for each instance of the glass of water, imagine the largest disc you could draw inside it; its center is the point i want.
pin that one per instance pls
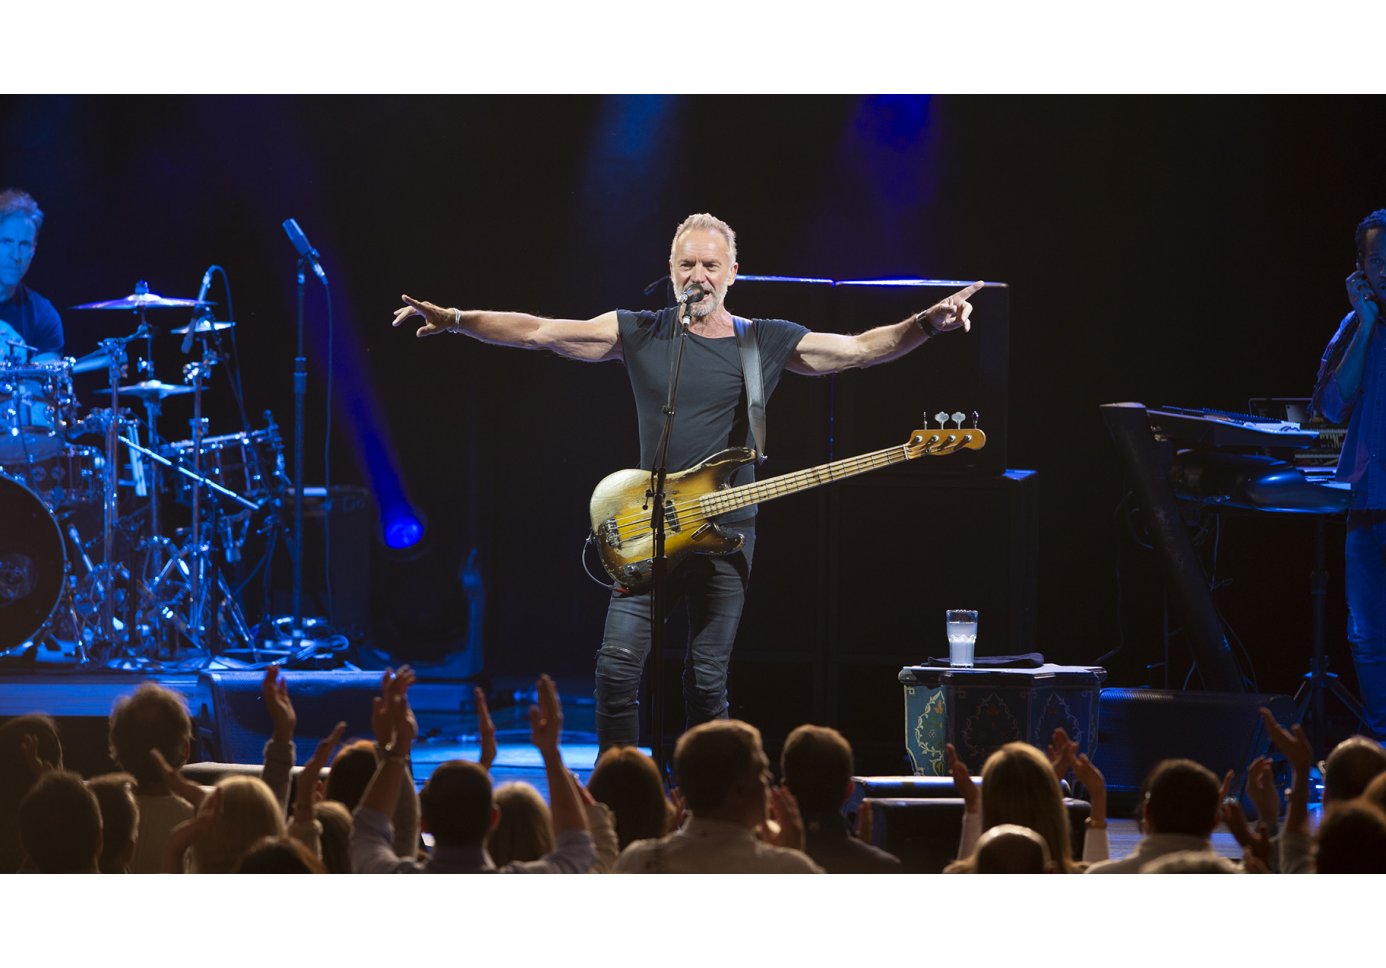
(962, 636)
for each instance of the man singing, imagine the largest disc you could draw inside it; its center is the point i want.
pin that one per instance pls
(709, 417)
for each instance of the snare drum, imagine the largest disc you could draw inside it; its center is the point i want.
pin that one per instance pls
(33, 564)
(68, 478)
(37, 407)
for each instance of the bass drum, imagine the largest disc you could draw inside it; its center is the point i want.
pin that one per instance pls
(33, 564)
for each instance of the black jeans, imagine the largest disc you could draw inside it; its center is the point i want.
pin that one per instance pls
(715, 588)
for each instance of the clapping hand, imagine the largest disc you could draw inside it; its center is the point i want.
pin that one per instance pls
(546, 718)
(962, 780)
(393, 686)
(275, 690)
(486, 729)
(308, 777)
(175, 782)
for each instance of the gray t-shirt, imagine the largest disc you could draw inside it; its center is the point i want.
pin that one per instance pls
(710, 412)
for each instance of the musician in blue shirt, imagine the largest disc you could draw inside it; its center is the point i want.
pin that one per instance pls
(1351, 387)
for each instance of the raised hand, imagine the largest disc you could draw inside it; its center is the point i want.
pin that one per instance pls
(486, 729)
(391, 683)
(546, 719)
(1297, 749)
(275, 690)
(1292, 742)
(1256, 845)
(954, 312)
(1061, 751)
(308, 776)
(29, 754)
(1260, 787)
(175, 782)
(191, 831)
(784, 810)
(436, 318)
(962, 780)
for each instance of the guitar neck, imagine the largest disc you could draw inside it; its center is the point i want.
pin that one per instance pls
(758, 492)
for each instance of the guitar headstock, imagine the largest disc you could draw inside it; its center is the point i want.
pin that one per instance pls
(945, 439)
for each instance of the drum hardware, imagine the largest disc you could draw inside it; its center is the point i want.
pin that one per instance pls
(204, 326)
(117, 605)
(37, 407)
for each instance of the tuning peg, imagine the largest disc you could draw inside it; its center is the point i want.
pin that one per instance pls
(958, 417)
(976, 417)
(941, 416)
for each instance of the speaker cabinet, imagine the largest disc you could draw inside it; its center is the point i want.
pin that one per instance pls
(1138, 728)
(233, 725)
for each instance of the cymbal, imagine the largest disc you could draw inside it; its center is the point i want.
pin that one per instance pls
(152, 390)
(204, 326)
(146, 300)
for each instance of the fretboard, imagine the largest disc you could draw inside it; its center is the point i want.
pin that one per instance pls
(758, 492)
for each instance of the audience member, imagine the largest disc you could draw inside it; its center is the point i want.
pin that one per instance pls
(120, 820)
(240, 811)
(1375, 794)
(524, 829)
(1179, 815)
(1010, 848)
(1191, 862)
(457, 806)
(352, 769)
(60, 826)
(628, 782)
(816, 766)
(279, 855)
(153, 719)
(1352, 840)
(1020, 786)
(724, 777)
(335, 840)
(1350, 767)
(29, 745)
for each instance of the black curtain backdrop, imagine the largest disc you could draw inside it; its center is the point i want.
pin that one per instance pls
(1166, 250)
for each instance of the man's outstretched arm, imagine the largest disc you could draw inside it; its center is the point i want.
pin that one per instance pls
(590, 341)
(819, 354)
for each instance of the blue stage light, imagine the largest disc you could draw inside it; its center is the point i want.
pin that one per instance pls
(403, 530)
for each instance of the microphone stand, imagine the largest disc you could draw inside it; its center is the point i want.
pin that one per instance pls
(660, 564)
(300, 390)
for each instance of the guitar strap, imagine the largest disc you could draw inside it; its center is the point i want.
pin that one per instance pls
(755, 389)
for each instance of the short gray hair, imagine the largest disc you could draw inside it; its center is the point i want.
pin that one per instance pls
(14, 201)
(703, 220)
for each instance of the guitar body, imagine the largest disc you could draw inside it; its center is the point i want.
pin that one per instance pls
(621, 518)
(621, 510)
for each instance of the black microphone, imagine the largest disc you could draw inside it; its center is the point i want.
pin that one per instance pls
(199, 313)
(309, 254)
(693, 293)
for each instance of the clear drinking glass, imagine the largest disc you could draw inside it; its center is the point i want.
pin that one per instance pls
(962, 636)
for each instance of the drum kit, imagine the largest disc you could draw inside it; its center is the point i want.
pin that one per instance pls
(128, 592)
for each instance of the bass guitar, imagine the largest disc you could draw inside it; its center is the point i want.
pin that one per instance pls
(621, 509)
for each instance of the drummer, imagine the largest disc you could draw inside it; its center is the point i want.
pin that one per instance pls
(26, 318)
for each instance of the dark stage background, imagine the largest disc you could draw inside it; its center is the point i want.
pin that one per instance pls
(1186, 251)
